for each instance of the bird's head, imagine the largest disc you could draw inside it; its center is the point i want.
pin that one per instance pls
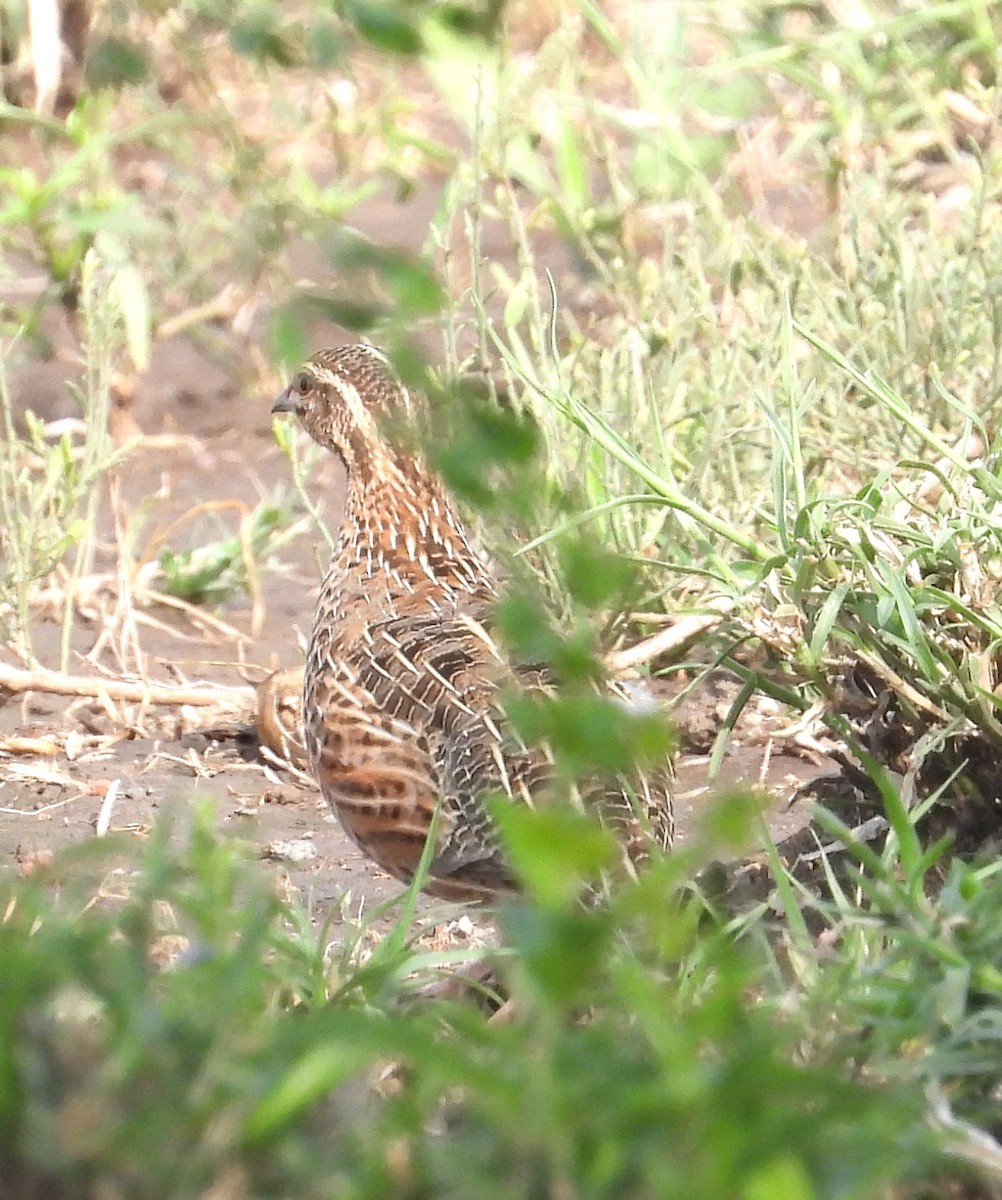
(340, 396)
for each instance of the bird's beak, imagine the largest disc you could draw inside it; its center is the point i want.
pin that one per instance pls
(287, 402)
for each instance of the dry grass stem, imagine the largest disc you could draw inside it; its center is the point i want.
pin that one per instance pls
(677, 634)
(16, 680)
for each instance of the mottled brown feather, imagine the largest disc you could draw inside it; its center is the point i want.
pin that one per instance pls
(401, 719)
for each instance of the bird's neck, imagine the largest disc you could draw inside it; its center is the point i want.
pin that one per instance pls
(401, 544)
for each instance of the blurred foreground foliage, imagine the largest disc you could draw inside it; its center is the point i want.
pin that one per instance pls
(172, 1029)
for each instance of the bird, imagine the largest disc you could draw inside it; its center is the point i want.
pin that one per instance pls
(402, 720)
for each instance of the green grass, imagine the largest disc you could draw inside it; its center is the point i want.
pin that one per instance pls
(636, 1066)
(701, 402)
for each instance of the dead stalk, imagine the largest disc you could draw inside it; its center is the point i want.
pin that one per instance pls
(16, 680)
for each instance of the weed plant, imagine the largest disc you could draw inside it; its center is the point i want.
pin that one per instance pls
(825, 459)
(171, 1028)
(655, 1052)
(50, 492)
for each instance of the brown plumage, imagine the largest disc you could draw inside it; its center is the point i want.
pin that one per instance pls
(401, 720)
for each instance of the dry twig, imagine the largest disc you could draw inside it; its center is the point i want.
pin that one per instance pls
(681, 630)
(15, 680)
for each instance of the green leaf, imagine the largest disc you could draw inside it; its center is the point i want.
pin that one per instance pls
(409, 280)
(326, 41)
(571, 166)
(516, 306)
(414, 286)
(826, 619)
(319, 1070)
(256, 34)
(591, 575)
(128, 288)
(115, 61)
(589, 733)
(285, 333)
(783, 1178)
(525, 628)
(555, 851)
(386, 25)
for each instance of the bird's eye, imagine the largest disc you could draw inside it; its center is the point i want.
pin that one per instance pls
(303, 383)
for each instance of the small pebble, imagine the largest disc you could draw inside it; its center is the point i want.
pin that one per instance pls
(296, 850)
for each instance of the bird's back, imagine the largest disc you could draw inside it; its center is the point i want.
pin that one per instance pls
(402, 720)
